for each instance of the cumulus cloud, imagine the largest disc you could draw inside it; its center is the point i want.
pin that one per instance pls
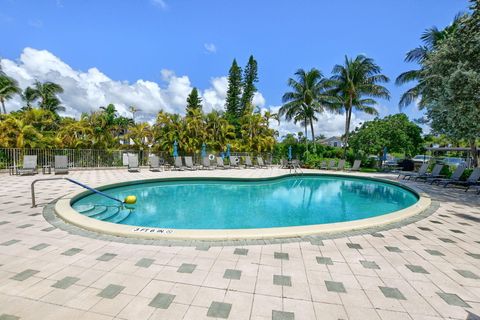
(210, 47)
(86, 91)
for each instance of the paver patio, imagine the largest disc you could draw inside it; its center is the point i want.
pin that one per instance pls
(425, 270)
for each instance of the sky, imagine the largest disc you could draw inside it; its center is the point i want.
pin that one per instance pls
(151, 53)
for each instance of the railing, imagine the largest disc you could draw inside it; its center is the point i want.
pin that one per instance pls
(94, 158)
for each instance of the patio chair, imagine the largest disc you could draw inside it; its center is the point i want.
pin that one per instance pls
(234, 162)
(206, 163)
(260, 163)
(332, 165)
(423, 169)
(356, 165)
(29, 165)
(435, 174)
(154, 163)
(248, 162)
(323, 165)
(341, 165)
(189, 163)
(220, 163)
(284, 164)
(472, 180)
(133, 163)
(455, 177)
(61, 165)
(177, 164)
(475, 187)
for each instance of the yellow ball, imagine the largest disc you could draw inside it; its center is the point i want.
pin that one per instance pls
(130, 200)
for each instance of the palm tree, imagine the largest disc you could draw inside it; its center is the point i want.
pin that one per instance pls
(352, 83)
(47, 93)
(431, 39)
(307, 98)
(8, 88)
(29, 95)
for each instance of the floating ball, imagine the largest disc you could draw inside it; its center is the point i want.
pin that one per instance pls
(130, 200)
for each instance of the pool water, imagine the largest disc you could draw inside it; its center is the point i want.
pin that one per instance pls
(239, 204)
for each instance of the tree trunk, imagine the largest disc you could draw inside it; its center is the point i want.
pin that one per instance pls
(306, 138)
(3, 106)
(348, 115)
(311, 129)
(473, 147)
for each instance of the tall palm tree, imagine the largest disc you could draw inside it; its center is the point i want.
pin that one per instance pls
(307, 98)
(431, 39)
(47, 93)
(8, 88)
(352, 85)
(29, 95)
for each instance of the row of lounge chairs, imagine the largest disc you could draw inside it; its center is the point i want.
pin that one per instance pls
(435, 177)
(30, 165)
(182, 163)
(340, 166)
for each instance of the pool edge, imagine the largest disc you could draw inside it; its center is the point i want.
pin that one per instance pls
(64, 210)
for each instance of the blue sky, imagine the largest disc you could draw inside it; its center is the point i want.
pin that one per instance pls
(131, 40)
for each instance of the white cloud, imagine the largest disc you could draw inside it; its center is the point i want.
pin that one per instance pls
(210, 47)
(87, 91)
(159, 3)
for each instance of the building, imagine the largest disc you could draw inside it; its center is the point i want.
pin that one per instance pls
(332, 142)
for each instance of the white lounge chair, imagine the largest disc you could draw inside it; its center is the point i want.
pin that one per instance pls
(177, 165)
(220, 163)
(154, 163)
(341, 165)
(356, 165)
(133, 163)
(206, 163)
(61, 165)
(29, 165)
(260, 163)
(235, 162)
(248, 162)
(189, 163)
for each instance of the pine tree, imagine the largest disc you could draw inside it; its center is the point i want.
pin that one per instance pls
(250, 77)
(232, 103)
(193, 101)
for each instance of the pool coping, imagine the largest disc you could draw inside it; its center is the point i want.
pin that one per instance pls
(63, 209)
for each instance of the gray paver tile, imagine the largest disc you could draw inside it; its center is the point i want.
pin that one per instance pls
(4, 222)
(186, 268)
(40, 246)
(24, 275)
(334, 286)
(467, 274)
(106, 257)
(393, 249)
(219, 310)
(369, 264)
(281, 255)
(446, 240)
(232, 274)
(8, 317)
(354, 246)
(434, 252)
(377, 235)
(316, 242)
(162, 301)
(49, 229)
(240, 251)
(281, 280)
(72, 252)
(9, 242)
(282, 315)
(453, 300)
(474, 255)
(411, 237)
(324, 260)
(416, 269)
(144, 262)
(23, 226)
(65, 282)
(111, 291)
(393, 293)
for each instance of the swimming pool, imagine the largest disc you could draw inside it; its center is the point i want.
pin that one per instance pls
(228, 203)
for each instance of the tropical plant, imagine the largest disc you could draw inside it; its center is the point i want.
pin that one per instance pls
(48, 93)
(8, 88)
(354, 85)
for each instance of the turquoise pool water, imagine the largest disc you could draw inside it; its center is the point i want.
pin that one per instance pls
(237, 204)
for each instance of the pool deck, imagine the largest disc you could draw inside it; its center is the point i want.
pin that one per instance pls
(426, 270)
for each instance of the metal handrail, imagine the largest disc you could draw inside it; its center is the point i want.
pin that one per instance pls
(32, 187)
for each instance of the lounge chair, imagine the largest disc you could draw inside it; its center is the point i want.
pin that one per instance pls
(177, 165)
(260, 163)
(323, 165)
(475, 187)
(331, 165)
(220, 163)
(248, 162)
(206, 163)
(435, 174)
(61, 165)
(133, 163)
(284, 164)
(423, 169)
(356, 165)
(235, 162)
(154, 163)
(189, 163)
(29, 165)
(472, 180)
(341, 165)
(455, 177)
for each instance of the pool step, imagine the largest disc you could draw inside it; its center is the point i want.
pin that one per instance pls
(110, 212)
(122, 215)
(83, 208)
(99, 209)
